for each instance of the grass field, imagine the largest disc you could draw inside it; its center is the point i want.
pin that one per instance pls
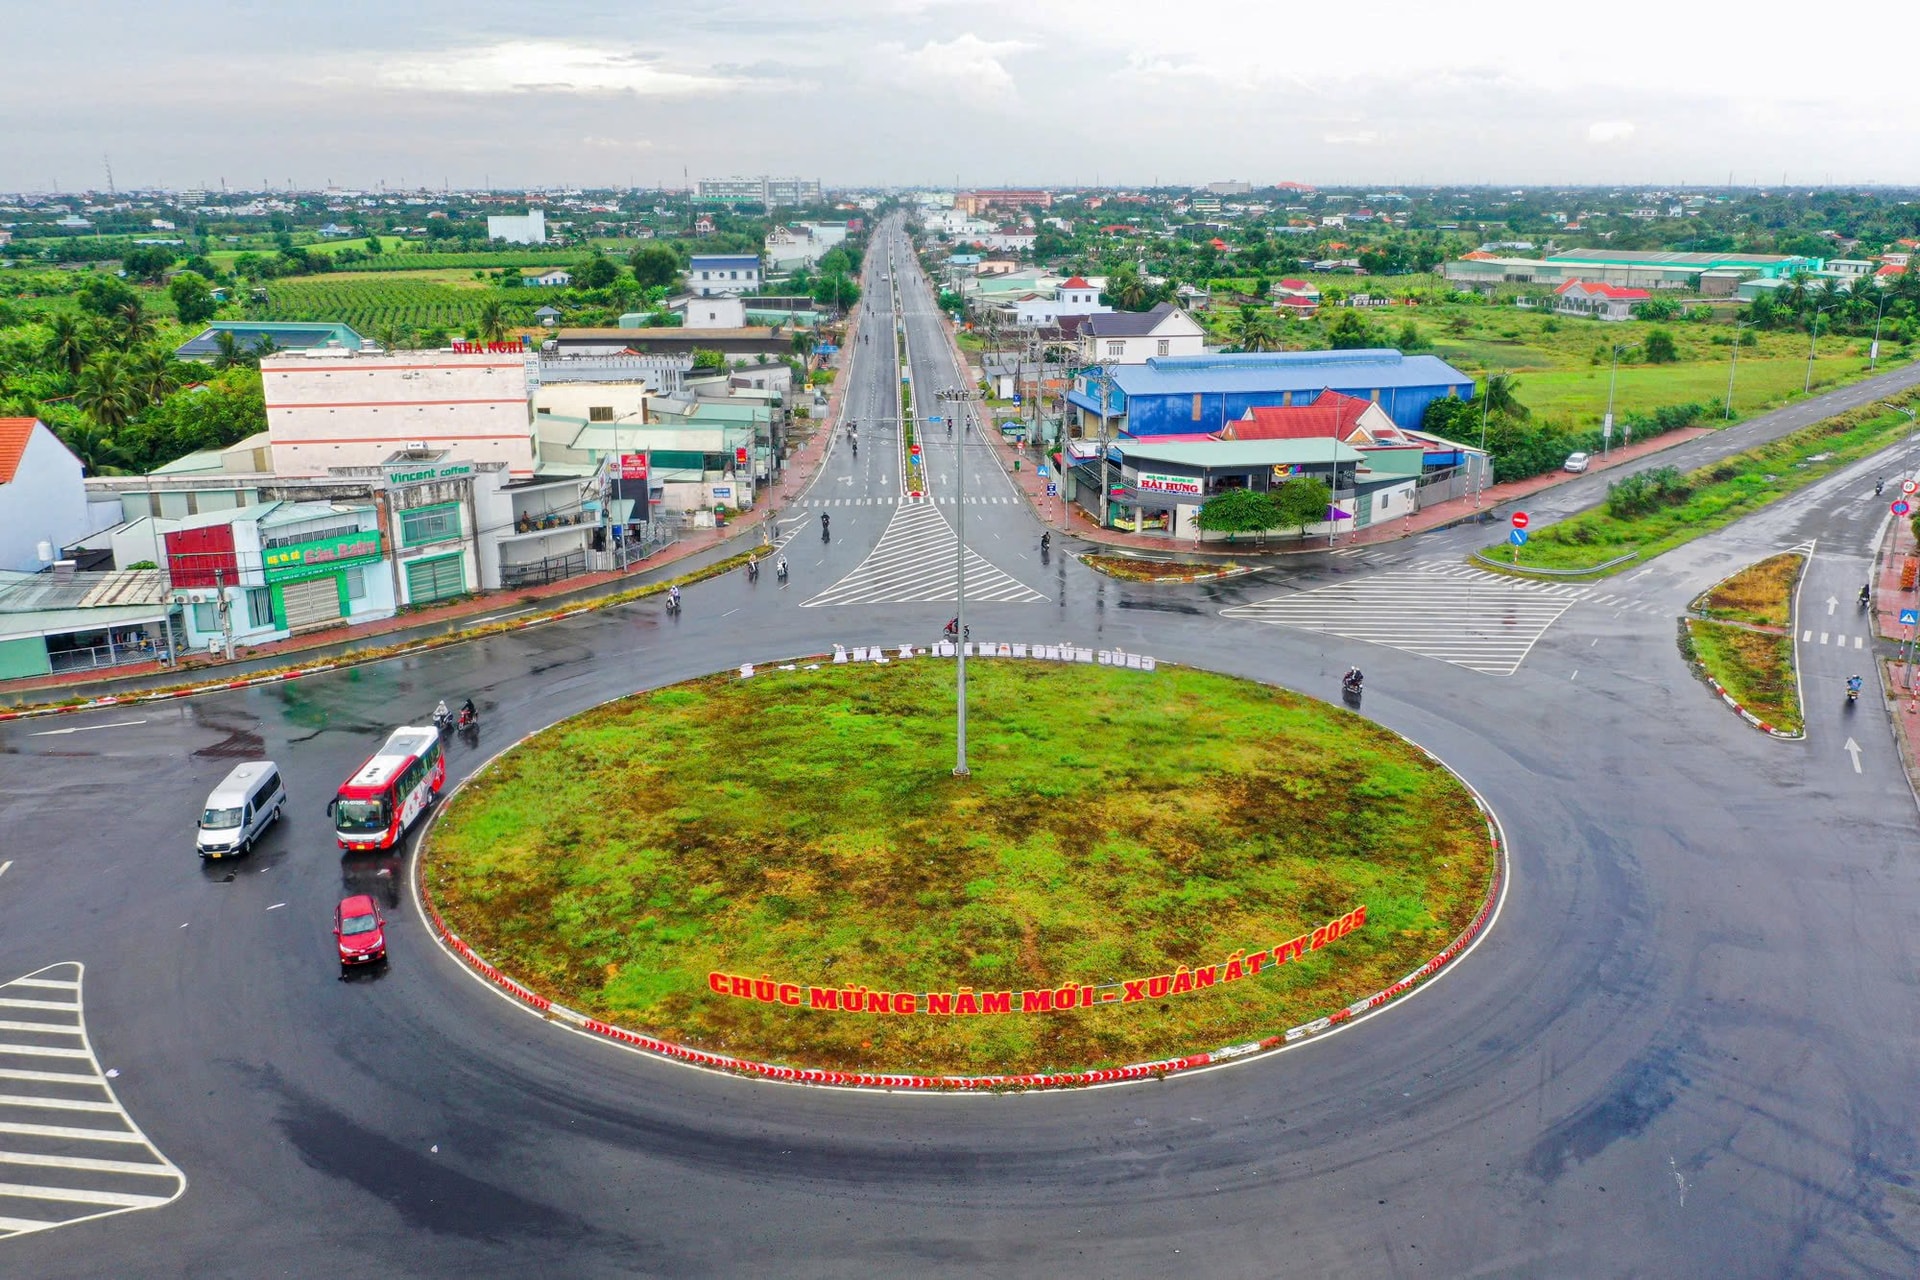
(805, 827)
(1717, 495)
(1754, 667)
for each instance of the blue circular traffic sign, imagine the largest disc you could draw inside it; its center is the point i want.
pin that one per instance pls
(1901, 507)
(1518, 537)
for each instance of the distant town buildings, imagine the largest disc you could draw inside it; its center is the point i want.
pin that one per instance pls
(1008, 198)
(717, 273)
(761, 190)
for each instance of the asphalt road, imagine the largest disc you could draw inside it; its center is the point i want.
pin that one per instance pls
(1684, 1049)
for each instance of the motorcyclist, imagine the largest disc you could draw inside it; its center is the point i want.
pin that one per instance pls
(673, 597)
(1353, 679)
(780, 567)
(468, 712)
(753, 568)
(1046, 540)
(1879, 487)
(1853, 687)
(1866, 594)
(823, 524)
(441, 715)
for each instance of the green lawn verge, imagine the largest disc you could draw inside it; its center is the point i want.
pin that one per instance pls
(1754, 667)
(804, 826)
(1716, 495)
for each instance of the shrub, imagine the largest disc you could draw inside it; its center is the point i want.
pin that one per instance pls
(1659, 347)
(1647, 491)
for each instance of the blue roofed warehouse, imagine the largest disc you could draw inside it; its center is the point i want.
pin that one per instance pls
(1198, 395)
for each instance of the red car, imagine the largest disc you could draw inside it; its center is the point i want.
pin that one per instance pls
(360, 930)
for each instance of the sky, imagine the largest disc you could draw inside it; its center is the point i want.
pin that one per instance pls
(928, 92)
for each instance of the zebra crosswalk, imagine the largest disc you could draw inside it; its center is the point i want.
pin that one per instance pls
(914, 560)
(1444, 610)
(69, 1151)
(894, 499)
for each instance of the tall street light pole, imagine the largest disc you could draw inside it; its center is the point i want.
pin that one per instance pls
(958, 401)
(1606, 424)
(1734, 368)
(1873, 352)
(1813, 340)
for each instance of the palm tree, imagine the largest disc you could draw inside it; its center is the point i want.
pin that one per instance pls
(228, 353)
(1126, 289)
(155, 373)
(264, 345)
(1500, 397)
(135, 325)
(388, 338)
(70, 340)
(94, 447)
(492, 321)
(106, 391)
(1254, 329)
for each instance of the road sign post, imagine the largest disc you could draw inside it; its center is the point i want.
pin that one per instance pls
(1518, 537)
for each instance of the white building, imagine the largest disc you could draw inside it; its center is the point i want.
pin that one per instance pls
(43, 497)
(358, 408)
(518, 228)
(728, 273)
(713, 313)
(1076, 296)
(1135, 337)
(558, 278)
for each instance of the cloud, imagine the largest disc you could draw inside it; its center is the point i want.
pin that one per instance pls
(966, 66)
(551, 66)
(1609, 131)
(1352, 138)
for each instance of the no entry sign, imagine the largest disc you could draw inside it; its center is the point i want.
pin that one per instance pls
(1519, 519)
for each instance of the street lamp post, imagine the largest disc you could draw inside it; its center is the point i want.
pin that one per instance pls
(1873, 352)
(1813, 340)
(1734, 368)
(958, 400)
(1606, 424)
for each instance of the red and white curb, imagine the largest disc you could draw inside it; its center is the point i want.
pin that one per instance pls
(1747, 715)
(1319, 1028)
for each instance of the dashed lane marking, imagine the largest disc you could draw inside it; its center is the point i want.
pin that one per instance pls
(69, 1152)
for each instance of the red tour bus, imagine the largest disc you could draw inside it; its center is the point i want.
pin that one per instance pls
(379, 802)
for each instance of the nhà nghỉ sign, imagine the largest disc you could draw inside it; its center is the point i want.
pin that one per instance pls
(1154, 482)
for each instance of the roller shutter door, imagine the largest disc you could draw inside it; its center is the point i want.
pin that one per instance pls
(436, 579)
(312, 603)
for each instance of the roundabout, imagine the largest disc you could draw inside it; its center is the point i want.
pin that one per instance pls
(1146, 871)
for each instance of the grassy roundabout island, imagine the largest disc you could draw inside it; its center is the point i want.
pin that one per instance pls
(1143, 864)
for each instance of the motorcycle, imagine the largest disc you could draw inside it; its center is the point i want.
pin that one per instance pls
(466, 718)
(1853, 690)
(1866, 596)
(753, 571)
(442, 720)
(1046, 544)
(673, 602)
(1350, 686)
(824, 535)
(781, 570)
(954, 631)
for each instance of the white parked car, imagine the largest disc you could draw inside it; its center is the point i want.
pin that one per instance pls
(1578, 461)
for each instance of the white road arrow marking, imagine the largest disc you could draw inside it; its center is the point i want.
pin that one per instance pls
(5, 865)
(1831, 605)
(1853, 749)
(86, 728)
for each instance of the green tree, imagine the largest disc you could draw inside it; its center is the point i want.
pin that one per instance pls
(154, 373)
(1349, 331)
(192, 296)
(375, 246)
(1658, 344)
(707, 358)
(655, 265)
(106, 392)
(93, 445)
(147, 263)
(492, 320)
(224, 412)
(597, 272)
(1411, 339)
(70, 340)
(1300, 502)
(103, 295)
(1237, 511)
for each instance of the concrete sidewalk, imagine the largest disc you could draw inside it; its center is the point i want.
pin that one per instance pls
(694, 550)
(1902, 679)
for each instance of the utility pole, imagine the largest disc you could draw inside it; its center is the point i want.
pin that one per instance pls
(1738, 325)
(225, 609)
(1813, 340)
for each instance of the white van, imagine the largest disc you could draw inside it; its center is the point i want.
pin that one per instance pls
(240, 808)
